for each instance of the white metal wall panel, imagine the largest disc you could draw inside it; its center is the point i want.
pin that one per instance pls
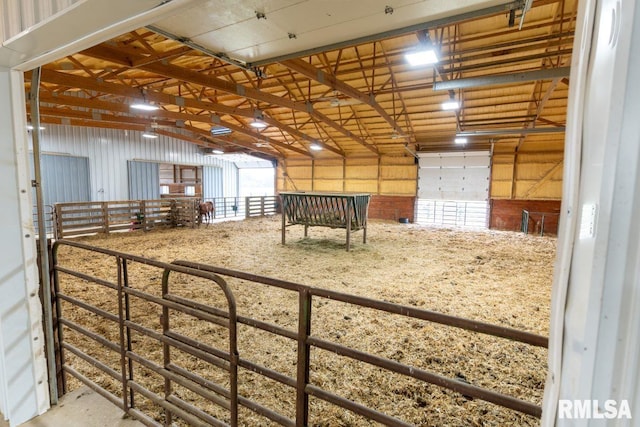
(454, 176)
(23, 372)
(109, 150)
(212, 186)
(18, 15)
(144, 180)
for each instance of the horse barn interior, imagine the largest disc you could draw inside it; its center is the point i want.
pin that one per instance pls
(349, 114)
(444, 138)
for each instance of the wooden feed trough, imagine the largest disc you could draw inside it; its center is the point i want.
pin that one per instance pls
(334, 210)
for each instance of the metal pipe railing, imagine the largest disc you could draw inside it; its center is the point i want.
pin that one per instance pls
(228, 398)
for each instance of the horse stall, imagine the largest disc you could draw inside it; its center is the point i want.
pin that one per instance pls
(333, 210)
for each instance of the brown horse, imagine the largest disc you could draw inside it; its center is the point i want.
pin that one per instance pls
(205, 210)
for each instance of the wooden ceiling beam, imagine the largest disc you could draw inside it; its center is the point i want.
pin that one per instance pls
(86, 115)
(112, 54)
(68, 80)
(315, 74)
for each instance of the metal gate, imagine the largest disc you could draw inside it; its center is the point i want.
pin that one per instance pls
(110, 345)
(122, 371)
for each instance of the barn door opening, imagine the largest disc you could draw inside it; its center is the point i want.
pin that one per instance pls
(453, 189)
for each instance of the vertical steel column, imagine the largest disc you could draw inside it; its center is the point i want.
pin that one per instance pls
(42, 237)
(304, 330)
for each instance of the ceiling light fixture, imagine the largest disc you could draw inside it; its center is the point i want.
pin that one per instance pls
(144, 106)
(258, 124)
(30, 127)
(422, 57)
(149, 135)
(220, 130)
(258, 120)
(217, 151)
(315, 146)
(451, 105)
(460, 140)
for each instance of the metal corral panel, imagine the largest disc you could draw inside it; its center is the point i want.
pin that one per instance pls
(109, 150)
(144, 180)
(212, 182)
(453, 213)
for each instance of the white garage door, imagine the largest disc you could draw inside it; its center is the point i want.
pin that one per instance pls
(453, 189)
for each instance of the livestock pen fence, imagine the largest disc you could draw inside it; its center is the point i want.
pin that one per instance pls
(156, 387)
(83, 218)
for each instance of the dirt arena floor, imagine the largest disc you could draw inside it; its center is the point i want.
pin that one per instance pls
(502, 278)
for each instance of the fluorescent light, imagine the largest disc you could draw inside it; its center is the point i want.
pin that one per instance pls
(451, 105)
(220, 130)
(217, 151)
(144, 106)
(30, 127)
(422, 57)
(460, 140)
(315, 147)
(150, 135)
(258, 124)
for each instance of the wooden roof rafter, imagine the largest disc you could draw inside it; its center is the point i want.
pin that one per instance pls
(106, 53)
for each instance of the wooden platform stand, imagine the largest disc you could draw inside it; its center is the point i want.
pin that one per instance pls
(334, 210)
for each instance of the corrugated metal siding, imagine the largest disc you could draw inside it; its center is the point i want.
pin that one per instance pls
(144, 180)
(18, 15)
(109, 150)
(65, 179)
(212, 182)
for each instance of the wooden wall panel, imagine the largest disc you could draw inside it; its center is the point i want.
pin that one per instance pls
(387, 175)
(362, 186)
(398, 187)
(330, 172)
(537, 176)
(362, 172)
(500, 189)
(398, 171)
(299, 172)
(327, 185)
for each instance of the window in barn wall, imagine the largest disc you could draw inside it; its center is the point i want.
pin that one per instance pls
(453, 189)
(164, 189)
(190, 190)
